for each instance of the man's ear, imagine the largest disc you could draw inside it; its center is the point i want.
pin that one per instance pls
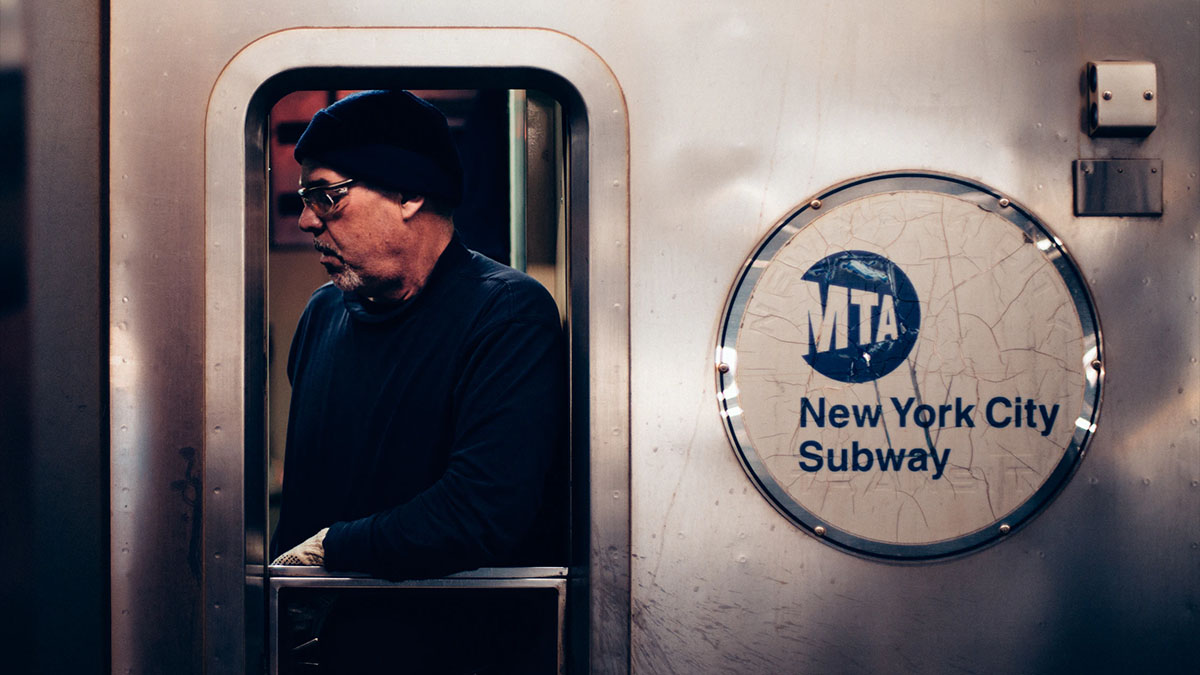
(411, 205)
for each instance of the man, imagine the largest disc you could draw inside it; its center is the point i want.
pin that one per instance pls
(428, 382)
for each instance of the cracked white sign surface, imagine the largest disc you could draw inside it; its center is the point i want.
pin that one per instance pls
(962, 431)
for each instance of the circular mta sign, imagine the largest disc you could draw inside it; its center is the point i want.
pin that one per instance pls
(909, 366)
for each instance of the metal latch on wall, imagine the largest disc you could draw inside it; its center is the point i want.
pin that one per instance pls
(1122, 98)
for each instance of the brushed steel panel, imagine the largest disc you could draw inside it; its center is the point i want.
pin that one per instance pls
(735, 113)
(991, 91)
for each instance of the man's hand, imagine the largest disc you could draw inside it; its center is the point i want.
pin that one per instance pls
(311, 551)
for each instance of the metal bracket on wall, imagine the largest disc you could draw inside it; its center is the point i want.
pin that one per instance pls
(1122, 98)
(1118, 187)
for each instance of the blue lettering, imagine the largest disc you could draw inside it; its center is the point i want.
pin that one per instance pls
(845, 461)
(999, 423)
(866, 415)
(1048, 418)
(806, 409)
(924, 416)
(962, 415)
(893, 459)
(861, 459)
(939, 464)
(918, 460)
(809, 456)
(838, 416)
(862, 452)
(902, 410)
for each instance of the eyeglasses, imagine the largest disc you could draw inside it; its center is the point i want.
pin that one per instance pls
(323, 199)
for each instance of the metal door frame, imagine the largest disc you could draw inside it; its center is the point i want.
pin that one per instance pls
(235, 575)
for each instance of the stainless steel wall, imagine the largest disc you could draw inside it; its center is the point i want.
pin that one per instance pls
(778, 102)
(736, 113)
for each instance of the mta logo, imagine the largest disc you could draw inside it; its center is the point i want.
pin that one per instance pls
(869, 317)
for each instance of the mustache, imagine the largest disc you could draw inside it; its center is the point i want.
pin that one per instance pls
(326, 249)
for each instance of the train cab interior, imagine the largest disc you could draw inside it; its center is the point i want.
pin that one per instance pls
(513, 149)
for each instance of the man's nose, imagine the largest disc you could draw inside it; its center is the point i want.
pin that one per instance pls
(309, 222)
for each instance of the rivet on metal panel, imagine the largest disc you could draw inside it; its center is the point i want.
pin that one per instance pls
(1004, 202)
(723, 367)
(816, 203)
(1096, 364)
(1005, 528)
(1148, 95)
(1107, 95)
(820, 530)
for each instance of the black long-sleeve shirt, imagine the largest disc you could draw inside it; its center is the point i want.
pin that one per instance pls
(423, 434)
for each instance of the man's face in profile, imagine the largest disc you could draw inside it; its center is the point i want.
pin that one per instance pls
(365, 238)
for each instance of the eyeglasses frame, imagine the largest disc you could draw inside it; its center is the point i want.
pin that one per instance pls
(332, 194)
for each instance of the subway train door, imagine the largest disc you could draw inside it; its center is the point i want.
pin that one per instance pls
(228, 270)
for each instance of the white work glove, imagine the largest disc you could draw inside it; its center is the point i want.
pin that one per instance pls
(311, 551)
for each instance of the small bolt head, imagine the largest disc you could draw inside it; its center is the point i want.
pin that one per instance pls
(1004, 202)
(1107, 95)
(1005, 528)
(820, 530)
(723, 367)
(816, 203)
(1096, 364)
(1148, 95)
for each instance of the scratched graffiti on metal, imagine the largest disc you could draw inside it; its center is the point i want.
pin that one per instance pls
(974, 412)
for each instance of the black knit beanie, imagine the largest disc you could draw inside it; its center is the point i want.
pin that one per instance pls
(390, 140)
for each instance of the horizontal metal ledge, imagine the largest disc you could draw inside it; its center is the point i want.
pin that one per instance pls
(287, 573)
